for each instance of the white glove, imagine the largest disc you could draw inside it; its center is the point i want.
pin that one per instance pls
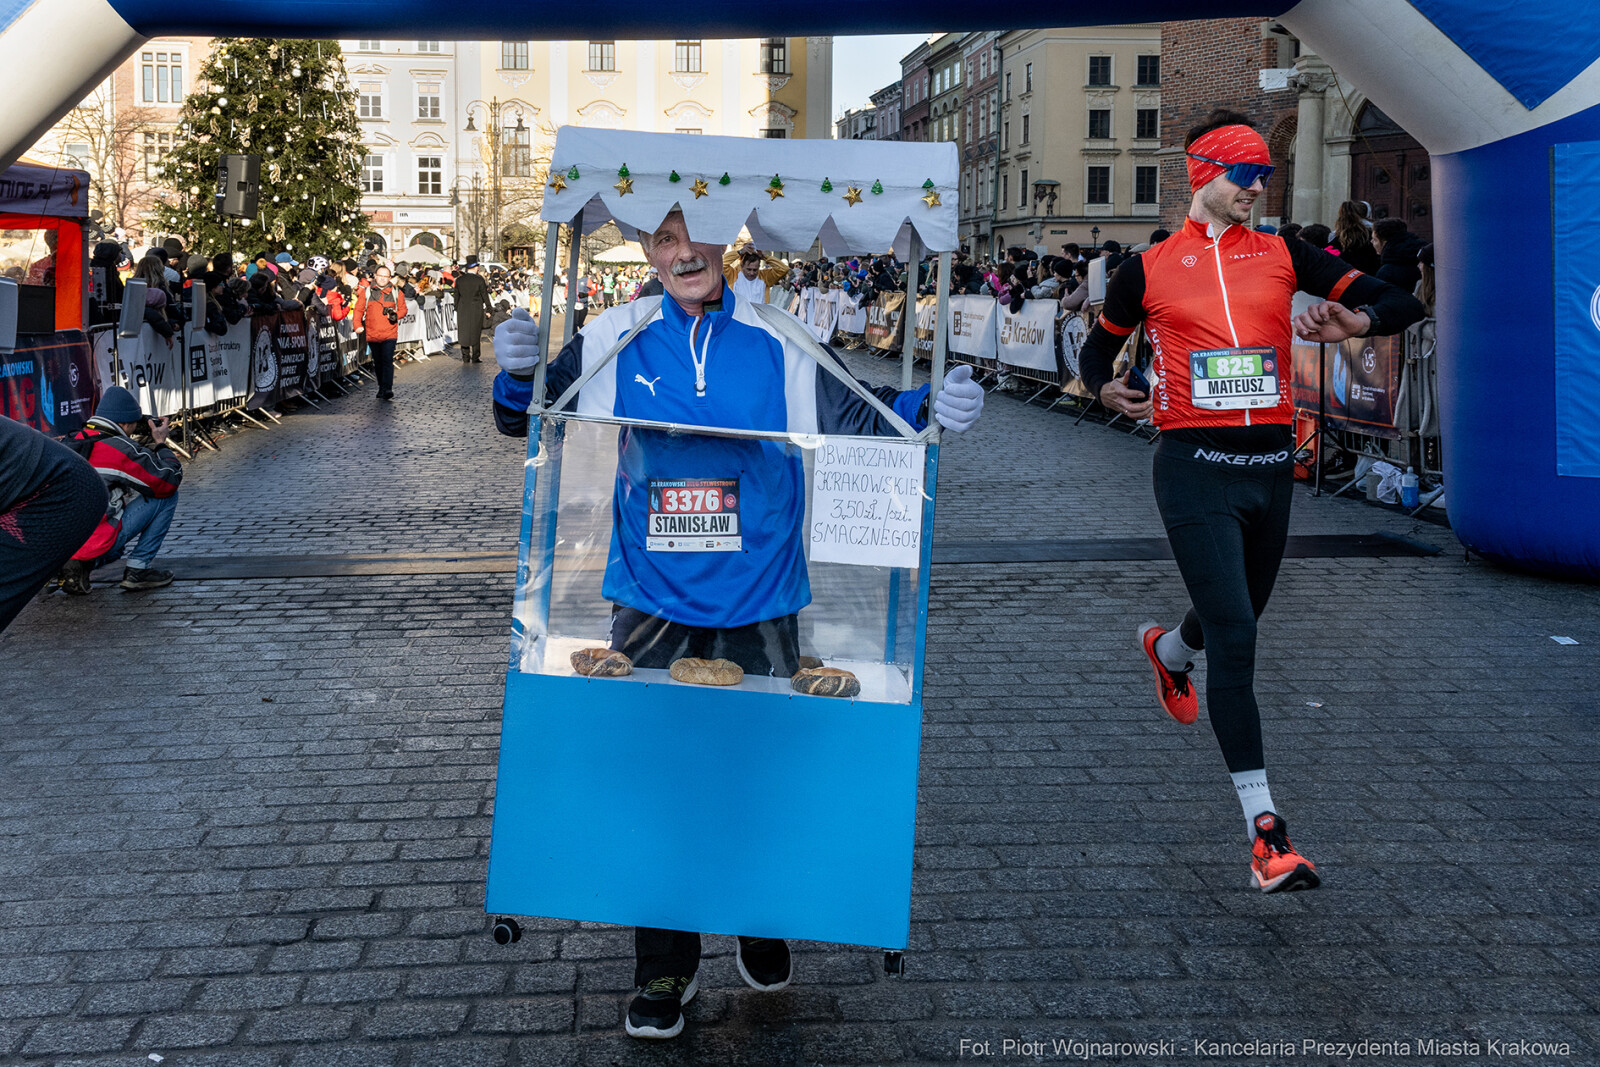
(516, 344)
(960, 401)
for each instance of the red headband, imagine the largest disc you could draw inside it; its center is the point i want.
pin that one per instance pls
(1226, 144)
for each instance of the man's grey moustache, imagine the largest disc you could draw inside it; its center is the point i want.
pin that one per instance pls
(697, 263)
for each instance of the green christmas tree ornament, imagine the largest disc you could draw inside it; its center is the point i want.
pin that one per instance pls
(673, 177)
(724, 180)
(827, 186)
(572, 174)
(928, 184)
(775, 183)
(877, 188)
(623, 172)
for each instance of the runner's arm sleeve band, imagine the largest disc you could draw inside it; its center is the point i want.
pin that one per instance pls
(840, 410)
(1123, 312)
(1321, 274)
(513, 394)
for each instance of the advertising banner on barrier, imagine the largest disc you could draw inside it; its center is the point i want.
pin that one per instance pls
(852, 315)
(432, 325)
(49, 382)
(352, 351)
(326, 333)
(410, 327)
(219, 367)
(824, 314)
(279, 349)
(152, 368)
(927, 308)
(1028, 338)
(1361, 382)
(883, 321)
(972, 327)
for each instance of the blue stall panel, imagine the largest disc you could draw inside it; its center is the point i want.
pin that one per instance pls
(692, 808)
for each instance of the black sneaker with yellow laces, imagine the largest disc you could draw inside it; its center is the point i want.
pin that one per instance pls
(657, 1012)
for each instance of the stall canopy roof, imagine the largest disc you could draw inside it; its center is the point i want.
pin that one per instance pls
(857, 196)
(29, 188)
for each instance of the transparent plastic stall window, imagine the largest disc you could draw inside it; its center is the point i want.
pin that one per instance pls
(861, 618)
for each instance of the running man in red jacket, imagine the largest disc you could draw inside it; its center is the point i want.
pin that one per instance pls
(143, 485)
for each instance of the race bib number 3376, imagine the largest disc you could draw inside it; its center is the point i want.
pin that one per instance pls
(693, 515)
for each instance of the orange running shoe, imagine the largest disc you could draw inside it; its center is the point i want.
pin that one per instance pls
(1173, 691)
(1276, 866)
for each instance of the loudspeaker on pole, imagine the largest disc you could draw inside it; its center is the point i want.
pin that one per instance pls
(240, 178)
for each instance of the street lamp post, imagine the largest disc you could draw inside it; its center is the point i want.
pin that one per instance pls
(1094, 232)
(494, 130)
(475, 192)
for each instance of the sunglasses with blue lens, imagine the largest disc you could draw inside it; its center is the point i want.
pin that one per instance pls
(1244, 175)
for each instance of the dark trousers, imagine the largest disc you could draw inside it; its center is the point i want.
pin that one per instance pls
(768, 648)
(771, 647)
(1228, 527)
(60, 502)
(383, 364)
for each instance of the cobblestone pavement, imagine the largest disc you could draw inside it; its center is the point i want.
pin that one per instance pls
(245, 823)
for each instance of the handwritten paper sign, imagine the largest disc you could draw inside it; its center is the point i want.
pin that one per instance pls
(866, 502)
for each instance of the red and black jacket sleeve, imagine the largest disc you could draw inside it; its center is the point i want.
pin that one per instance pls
(1320, 274)
(1315, 271)
(1121, 315)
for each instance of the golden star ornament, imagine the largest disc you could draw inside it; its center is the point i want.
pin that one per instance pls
(624, 186)
(558, 183)
(774, 191)
(699, 188)
(931, 198)
(852, 196)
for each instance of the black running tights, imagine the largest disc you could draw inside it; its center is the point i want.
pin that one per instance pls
(1228, 525)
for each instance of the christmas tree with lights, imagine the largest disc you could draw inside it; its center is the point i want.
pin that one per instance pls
(291, 103)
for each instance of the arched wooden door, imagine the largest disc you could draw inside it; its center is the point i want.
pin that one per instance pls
(1392, 172)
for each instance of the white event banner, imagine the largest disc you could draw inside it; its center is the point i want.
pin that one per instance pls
(866, 501)
(972, 326)
(1028, 338)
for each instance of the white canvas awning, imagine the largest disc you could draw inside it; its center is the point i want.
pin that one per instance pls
(627, 252)
(857, 196)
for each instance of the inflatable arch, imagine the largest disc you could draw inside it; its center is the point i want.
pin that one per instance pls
(1505, 96)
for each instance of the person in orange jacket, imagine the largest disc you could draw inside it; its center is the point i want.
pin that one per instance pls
(380, 305)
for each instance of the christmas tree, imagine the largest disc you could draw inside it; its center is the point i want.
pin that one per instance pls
(291, 103)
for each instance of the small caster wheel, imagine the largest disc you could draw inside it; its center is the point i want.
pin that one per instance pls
(894, 964)
(507, 932)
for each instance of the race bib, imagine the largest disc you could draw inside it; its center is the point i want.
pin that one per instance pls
(1226, 378)
(693, 515)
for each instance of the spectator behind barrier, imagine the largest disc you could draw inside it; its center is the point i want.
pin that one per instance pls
(1352, 237)
(142, 482)
(1397, 250)
(1318, 236)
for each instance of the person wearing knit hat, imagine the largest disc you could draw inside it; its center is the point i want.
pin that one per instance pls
(1216, 301)
(142, 482)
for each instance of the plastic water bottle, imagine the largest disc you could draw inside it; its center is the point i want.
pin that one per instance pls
(1408, 488)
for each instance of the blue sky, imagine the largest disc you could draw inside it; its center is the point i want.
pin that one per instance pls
(863, 65)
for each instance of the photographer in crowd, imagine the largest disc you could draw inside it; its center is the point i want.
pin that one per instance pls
(142, 482)
(379, 308)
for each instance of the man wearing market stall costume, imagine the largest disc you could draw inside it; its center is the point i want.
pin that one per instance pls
(707, 360)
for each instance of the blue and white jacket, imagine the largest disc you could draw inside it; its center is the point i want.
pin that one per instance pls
(754, 380)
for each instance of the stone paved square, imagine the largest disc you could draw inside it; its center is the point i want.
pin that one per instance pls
(244, 823)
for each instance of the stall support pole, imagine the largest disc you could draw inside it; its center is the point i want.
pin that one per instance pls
(574, 237)
(552, 237)
(908, 314)
(941, 319)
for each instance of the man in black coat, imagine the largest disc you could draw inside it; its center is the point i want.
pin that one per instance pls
(472, 308)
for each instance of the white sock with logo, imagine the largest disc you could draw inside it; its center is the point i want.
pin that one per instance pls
(1254, 798)
(1172, 652)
